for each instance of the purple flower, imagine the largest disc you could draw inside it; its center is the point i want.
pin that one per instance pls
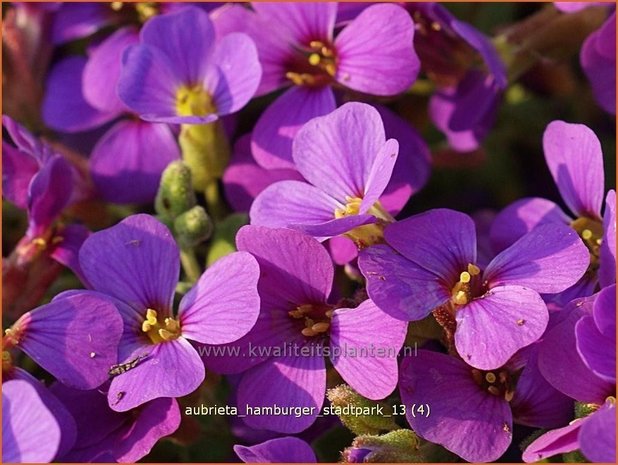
(491, 313)
(68, 429)
(135, 264)
(179, 74)
(127, 161)
(347, 163)
(598, 59)
(372, 54)
(75, 338)
(578, 357)
(573, 154)
(465, 105)
(25, 422)
(36, 178)
(596, 336)
(470, 411)
(287, 449)
(297, 327)
(126, 436)
(594, 435)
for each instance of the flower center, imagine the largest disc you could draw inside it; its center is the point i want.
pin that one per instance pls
(160, 329)
(468, 287)
(315, 318)
(194, 101)
(369, 234)
(314, 65)
(497, 383)
(144, 10)
(591, 232)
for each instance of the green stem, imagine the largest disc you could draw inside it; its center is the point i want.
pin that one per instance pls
(190, 264)
(214, 203)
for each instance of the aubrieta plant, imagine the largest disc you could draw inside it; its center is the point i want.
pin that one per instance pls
(308, 232)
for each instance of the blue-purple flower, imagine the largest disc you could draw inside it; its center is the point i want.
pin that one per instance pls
(430, 265)
(135, 265)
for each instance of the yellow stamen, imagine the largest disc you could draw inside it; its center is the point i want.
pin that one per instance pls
(308, 332)
(40, 242)
(473, 269)
(464, 277)
(461, 298)
(314, 59)
(158, 331)
(320, 327)
(490, 377)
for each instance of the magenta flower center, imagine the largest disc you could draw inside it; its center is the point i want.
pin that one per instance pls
(160, 328)
(313, 65)
(498, 383)
(314, 319)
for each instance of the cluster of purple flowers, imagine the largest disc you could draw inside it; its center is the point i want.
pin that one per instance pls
(482, 338)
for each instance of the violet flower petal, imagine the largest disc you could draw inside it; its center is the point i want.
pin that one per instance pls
(597, 438)
(384, 31)
(136, 261)
(293, 381)
(398, 286)
(64, 107)
(598, 60)
(463, 418)
(607, 268)
(292, 202)
(287, 449)
(25, 420)
(102, 71)
(536, 403)
(290, 257)
(186, 37)
(74, 338)
(575, 159)
(172, 369)
(148, 84)
(520, 217)
(490, 329)
(554, 442)
(271, 141)
(548, 259)
(66, 251)
(127, 162)
(380, 174)
(366, 341)
(18, 170)
(49, 193)
(224, 304)
(446, 254)
(562, 366)
(244, 179)
(337, 152)
(236, 73)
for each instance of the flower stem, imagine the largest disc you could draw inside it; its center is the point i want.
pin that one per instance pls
(190, 264)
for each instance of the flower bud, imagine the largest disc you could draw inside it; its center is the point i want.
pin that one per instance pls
(176, 193)
(192, 227)
(344, 396)
(400, 446)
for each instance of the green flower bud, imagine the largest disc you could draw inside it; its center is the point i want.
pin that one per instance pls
(350, 407)
(583, 410)
(192, 227)
(224, 238)
(400, 446)
(175, 195)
